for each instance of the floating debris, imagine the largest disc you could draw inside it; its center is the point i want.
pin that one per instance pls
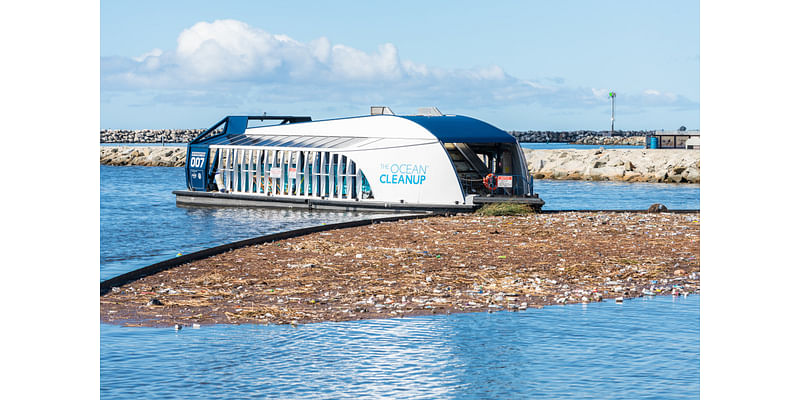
(426, 266)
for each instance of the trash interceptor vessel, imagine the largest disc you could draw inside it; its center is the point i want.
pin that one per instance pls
(380, 162)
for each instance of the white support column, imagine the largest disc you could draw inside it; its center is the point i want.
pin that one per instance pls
(297, 169)
(248, 178)
(257, 166)
(288, 163)
(274, 165)
(265, 168)
(359, 181)
(298, 179)
(235, 155)
(280, 180)
(344, 186)
(251, 164)
(243, 170)
(286, 184)
(226, 174)
(351, 179)
(220, 167)
(343, 176)
(306, 173)
(314, 173)
(332, 159)
(320, 168)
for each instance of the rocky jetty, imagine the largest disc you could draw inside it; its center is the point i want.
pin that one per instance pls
(582, 137)
(149, 135)
(145, 156)
(629, 165)
(612, 140)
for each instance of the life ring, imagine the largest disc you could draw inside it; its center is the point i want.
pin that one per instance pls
(490, 182)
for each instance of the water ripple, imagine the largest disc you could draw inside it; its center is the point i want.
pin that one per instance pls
(646, 348)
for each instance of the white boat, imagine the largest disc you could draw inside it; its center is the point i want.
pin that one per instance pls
(381, 161)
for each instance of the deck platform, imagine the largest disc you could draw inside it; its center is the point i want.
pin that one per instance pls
(216, 199)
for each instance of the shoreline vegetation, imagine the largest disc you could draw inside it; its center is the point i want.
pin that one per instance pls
(628, 165)
(435, 265)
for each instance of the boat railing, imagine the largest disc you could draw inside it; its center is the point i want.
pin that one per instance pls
(521, 185)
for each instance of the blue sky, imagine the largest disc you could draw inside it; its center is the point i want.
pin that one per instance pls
(517, 64)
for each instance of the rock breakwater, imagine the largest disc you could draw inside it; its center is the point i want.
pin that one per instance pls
(629, 165)
(149, 135)
(612, 140)
(145, 156)
(586, 136)
(580, 137)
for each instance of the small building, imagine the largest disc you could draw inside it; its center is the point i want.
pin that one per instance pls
(678, 139)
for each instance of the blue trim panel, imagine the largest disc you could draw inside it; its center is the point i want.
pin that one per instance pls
(461, 129)
(236, 125)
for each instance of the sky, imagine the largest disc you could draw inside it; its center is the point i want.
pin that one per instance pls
(53, 112)
(519, 65)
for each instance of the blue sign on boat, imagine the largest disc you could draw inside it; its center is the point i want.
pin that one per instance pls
(197, 170)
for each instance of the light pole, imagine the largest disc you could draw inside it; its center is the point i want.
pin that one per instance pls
(613, 96)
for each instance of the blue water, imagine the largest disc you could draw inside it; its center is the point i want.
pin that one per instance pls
(647, 348)
(642, 349)
(560, 145)
(141, 225)
(589, 195)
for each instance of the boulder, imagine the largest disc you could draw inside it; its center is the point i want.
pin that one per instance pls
(628, 166)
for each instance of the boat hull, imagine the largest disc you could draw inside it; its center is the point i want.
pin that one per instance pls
(215, 199)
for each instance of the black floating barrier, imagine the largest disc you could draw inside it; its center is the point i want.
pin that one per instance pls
(105, 286)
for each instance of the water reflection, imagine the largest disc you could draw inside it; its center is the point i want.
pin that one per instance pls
(140, 223)
(595, 351)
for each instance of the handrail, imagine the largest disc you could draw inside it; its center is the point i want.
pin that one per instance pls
(467, 182)
(285, 119)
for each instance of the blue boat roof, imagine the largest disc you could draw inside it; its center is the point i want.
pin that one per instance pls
(461, 129)
(446, 128)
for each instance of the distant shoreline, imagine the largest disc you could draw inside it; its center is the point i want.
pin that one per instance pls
(157, 136)
(626, 165)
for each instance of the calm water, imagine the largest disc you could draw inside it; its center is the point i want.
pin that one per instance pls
(141, 225)
(645, 348)
(560, 145)
(642, 349)
(587, 195)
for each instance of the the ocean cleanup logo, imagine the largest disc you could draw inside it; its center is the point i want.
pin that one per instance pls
(404, 174)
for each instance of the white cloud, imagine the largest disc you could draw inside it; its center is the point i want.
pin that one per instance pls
(350, 63)
(150, 54)
(229, 56)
